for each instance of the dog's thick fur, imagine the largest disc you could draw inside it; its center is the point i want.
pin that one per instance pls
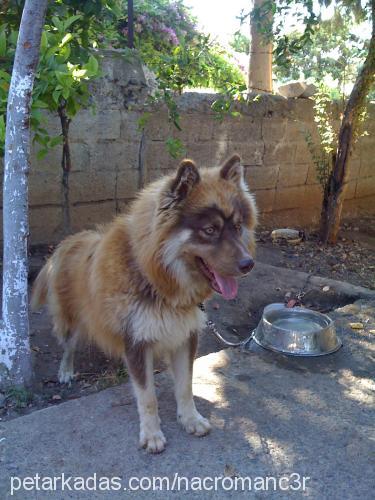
(133, 287)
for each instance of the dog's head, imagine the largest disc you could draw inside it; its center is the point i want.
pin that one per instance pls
(211, 241)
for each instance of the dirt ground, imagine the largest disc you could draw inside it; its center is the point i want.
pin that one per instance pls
(351, 260)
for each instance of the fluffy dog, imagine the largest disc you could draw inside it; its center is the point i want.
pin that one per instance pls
(134, 287)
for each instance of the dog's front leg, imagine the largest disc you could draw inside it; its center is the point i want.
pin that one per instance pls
(140, 361)
(182, 360)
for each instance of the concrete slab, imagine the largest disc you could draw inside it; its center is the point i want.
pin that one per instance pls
(272, 416)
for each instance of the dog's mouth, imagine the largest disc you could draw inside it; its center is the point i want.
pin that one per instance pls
(227, 286)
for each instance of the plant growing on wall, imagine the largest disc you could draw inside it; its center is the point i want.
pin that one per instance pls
(355, 106)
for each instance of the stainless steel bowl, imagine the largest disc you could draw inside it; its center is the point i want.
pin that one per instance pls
(296, 331)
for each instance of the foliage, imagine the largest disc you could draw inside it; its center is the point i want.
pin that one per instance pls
(334, 52)
(323, 155)
(240, 43)
(166, 39)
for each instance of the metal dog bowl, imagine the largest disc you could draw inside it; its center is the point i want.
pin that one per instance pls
(296, 331)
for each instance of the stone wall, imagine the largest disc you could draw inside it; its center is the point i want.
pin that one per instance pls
(113, 159)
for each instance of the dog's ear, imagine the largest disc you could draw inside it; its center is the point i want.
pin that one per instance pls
(186, 178)
(232, 170)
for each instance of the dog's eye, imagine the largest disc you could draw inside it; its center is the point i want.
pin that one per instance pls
(209, 230)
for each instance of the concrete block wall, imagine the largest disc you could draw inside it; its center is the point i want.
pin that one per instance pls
(112, 159)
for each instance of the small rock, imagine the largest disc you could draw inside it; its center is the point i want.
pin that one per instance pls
(56, 397)
(356, 326)
(326, 288)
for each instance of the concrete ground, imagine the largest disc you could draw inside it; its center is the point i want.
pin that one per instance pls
(272, 416)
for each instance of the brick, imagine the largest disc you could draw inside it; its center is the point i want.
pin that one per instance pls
(365, 187)
(312, 175)
(292, 175)
(157, 157)
(265, 199)
(261, 177)
(128, 183)
(279, 153)
(89, 126)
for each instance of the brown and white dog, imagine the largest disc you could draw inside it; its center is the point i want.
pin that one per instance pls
(134, 287)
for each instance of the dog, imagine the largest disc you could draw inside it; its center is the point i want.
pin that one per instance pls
(133, 287)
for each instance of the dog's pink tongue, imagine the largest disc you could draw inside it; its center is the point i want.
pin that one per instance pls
(228, 286)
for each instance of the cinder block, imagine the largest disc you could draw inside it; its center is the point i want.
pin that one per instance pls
(350, 190)
(273, 130)
(293, 175)
(292, 197)
(251, 153)
(114, 155)
(94, 186)
(89, 216)
(365, 187)
(265, 199)
(130, 131)
(303, 154)
(277, 153)
(45, 225)
(241, 128)
(196, 128)
(45, 188)
(312, 197)
(101, 125)
(261, 177)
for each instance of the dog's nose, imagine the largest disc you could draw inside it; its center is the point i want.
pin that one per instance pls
(245, 265)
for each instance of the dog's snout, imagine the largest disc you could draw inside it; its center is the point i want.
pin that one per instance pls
(245, 265)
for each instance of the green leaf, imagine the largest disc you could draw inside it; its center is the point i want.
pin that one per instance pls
(40, 104)
(65, 93)
(4, 75)
(58, 24)
(67, 38)
(92, 65)
(71, 20)
(41, 153)
(56, 96)
(55, 141)
(44, 41)
(3, 44)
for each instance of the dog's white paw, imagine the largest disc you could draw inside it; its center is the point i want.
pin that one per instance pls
(195, 424)
(65, 375)
(153, 441)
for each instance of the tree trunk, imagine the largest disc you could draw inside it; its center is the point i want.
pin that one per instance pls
(335, 190)
(66, 164)
(15, 357)
(260, 63)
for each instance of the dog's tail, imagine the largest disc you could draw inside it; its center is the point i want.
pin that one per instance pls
(40, 289)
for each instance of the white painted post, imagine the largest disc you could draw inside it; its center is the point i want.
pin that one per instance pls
(15, 356)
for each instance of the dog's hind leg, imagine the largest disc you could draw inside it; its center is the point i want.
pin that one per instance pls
(66, 370)
(181, 363)
(140, 362)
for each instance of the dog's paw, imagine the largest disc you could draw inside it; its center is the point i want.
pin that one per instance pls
(195, 424)
(154, 442)
(65, 376)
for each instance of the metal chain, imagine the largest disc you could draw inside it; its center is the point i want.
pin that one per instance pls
(212, 327)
